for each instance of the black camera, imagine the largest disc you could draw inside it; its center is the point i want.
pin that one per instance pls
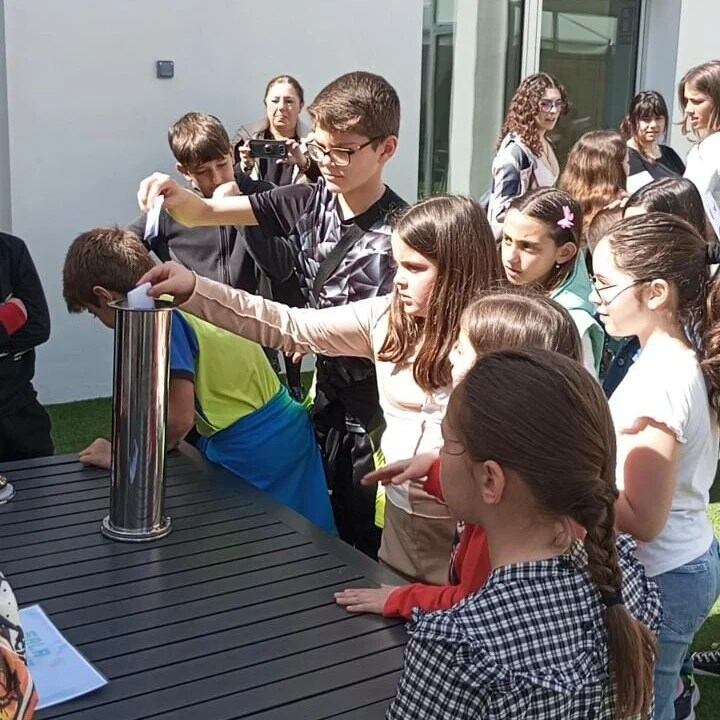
(268, 149)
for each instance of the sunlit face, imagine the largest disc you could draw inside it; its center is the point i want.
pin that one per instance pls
(366, 163)
(528, 251)
(208, 176)
(615, 294)
(282, 107)
(462, 357)
(414, 279)
(698, 109)
(551, 105)
(651, 130)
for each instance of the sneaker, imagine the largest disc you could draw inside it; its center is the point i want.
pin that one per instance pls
(685, 702)
(707, 663)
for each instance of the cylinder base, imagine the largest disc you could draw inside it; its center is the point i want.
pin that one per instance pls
(125, 535)
(7, 492)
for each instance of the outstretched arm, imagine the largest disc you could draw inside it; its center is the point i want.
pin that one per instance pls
(338, 331)
(190, 209)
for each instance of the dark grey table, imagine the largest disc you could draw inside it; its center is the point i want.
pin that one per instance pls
(230, 616)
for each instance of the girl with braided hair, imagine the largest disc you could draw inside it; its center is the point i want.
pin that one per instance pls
(652, 280)
(563, 628)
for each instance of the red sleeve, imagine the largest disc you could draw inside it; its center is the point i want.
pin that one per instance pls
(12, 318)
(432, 484)
(473, 575)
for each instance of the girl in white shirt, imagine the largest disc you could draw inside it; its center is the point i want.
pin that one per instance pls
(699, 92)
(651, 280)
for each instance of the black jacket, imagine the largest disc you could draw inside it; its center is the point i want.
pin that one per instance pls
(19, 278)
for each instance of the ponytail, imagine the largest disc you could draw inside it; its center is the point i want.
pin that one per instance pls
(659, 245)
(630, 643)
(710, 362)
(562, 446)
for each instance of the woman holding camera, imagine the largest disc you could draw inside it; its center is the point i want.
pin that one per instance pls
(284, 100)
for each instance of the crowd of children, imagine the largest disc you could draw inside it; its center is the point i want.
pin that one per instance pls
(556, 544)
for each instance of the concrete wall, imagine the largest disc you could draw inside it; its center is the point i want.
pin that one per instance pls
(87, 118)
(477, 94)
(676, 39)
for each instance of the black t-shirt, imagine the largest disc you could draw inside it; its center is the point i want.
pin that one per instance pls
(309, 216)
(668, 165)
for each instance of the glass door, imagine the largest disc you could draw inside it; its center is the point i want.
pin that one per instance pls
(591, 46)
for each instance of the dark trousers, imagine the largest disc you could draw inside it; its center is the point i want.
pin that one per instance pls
(348, 453)
(25, 433)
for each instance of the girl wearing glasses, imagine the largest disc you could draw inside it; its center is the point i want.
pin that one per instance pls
(525, 157)
(652, 280)
(644, 127)
(596, 172)
(540, 247)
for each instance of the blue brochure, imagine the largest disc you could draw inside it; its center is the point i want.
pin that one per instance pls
(60, 672)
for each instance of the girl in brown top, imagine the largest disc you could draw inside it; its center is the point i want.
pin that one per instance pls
(445, 253)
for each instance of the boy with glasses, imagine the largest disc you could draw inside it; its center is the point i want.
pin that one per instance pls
(339, 231)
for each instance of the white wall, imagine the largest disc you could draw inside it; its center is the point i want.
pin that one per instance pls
(87, 117)
(477, 94)
(659, 59)
(676, 39)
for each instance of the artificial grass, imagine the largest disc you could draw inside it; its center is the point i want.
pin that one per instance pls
(76, 425)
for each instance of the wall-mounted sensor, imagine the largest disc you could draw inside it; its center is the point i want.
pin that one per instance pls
(165, 69)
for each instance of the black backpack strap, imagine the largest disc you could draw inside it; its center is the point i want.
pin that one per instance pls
(333, 259)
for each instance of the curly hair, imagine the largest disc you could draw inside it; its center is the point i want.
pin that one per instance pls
(594, 173)
(524, 107)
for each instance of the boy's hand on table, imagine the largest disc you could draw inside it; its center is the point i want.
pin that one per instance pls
(170, 278)
(371, 600)
(98, 453)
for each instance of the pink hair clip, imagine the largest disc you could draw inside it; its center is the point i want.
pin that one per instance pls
(566, 221)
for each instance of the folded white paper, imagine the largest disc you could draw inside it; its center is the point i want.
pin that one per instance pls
(59, 671)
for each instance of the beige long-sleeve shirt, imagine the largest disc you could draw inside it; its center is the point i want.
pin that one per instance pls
(357, 329)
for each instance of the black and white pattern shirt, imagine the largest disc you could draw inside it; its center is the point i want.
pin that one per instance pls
(310, 217)
(531, 644)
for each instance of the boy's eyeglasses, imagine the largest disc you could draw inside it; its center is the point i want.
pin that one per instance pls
(550, 105)
(601, 291)
(338, 156)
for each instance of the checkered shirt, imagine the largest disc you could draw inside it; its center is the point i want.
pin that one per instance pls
(531, 644)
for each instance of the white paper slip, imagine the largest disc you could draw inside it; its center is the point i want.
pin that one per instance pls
(138, 298)
(152, 221)
(59, 671)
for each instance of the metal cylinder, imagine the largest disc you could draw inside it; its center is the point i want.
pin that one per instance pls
(139, 445)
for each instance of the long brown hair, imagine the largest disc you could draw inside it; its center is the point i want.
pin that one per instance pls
(525, 106)
(706, 79)
(562, 446)
(594, 174)
(453, 232)
(662, 246)
(519, 317)
(550, 207)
